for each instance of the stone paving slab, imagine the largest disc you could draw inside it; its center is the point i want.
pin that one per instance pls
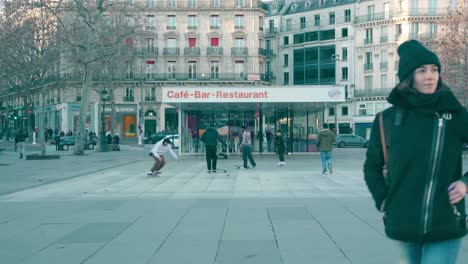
(267, 215)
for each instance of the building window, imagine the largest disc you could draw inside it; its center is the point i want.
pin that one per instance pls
(398, 29)
(369, 36)
(214, 42)
(150, 45)
(171, 70)
(317, 20)
(347, 14)
(214, 70)
(286, 40)
(150, 69)
(303, 22)
(171, 3)
(344, 73)
(171, 22)
(370, 13)
(239, 43)
(239, 3)
(414, 29)
(239, 69)
(344, 32)
(214, 3)
(214, 22)
(332, 18)
(344, 54)
(192, 22)
(149, 3)
(286, 59)
(383, 81)
(129, 95)
(344, 111)
(239, 22)
(368, 82)
(288, 24)
(286, 78)
(150, 23)
(331, 111)
(150, 94)
(386, 10)
(192, 70)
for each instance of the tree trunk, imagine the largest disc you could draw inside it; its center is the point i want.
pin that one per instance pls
(81, 133)
(42, 124)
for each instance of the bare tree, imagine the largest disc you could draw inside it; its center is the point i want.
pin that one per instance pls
(30, 55)
(92, 29)
(453, 50)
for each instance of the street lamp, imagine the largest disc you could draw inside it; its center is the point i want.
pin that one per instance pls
(140, 111)
(103, 138)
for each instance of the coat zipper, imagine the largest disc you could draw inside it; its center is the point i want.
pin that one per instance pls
(434, 164)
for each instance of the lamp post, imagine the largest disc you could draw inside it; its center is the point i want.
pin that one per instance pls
(103, 137)
(140, 111)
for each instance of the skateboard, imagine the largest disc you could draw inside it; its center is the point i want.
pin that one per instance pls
(155, 174)
(217, 171)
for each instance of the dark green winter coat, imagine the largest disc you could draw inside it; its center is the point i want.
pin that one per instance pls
(211, 136)
(424, 135)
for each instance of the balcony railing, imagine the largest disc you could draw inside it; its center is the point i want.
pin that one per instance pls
(214, 51)
(384, 65)
(171, 51)
(150, 98)
(271, 31)
(269, 52)
(171, 27)
(128, 98)
(151, 51)
(368, 66)
(192, 51)
(428, 12)
(368, 41)
(372, 92)
(239, 51)
(153, 76)
(191, 27)
(214, 27)
(261, 51)
(238, 27)
(199, 4)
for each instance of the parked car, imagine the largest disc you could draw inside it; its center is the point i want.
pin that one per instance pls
(152, 139)
(175, 140)
(348, 140)
(67, 141)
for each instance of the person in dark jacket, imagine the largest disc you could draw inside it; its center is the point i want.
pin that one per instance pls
(211, 138)
(19, 141)
(422, 195)
(280, 147)
(325, 140)
(116, 142)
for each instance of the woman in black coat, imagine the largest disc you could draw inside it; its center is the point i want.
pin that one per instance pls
(422, 195)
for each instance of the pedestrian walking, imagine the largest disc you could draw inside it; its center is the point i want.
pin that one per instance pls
(413, 167)
(161, 147)
(325, 141)
(246, 147)
(116, 142)
(19, 141)
(280, 147)
(211, 137)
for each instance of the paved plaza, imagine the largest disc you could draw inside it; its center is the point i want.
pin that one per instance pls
(101, 208)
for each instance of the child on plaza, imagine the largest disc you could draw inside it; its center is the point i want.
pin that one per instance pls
(280, 147)
(160, 148)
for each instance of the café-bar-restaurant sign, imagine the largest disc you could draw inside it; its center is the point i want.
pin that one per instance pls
(255, 94)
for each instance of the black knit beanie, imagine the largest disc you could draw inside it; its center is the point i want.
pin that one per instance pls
(412, 55)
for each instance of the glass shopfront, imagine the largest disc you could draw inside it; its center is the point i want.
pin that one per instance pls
(296, 111)
(299, 128)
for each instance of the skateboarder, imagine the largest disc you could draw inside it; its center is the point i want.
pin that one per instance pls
(160, 148)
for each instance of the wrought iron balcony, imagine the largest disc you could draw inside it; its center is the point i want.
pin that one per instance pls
(384, 65)
(368, 66)
(368, 41)
(171, 51)
(271, 31)
(214, 51)
(128, 98)
(239, 51)
(262, 52)
(151, 98)
(372, 92)
(192, 51)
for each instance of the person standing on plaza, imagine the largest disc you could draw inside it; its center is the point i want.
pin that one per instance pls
(325, 141)
(161, 147)
(19, 141)
(211, 137)
(280, 147)
(246, 147)
(414, 169)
